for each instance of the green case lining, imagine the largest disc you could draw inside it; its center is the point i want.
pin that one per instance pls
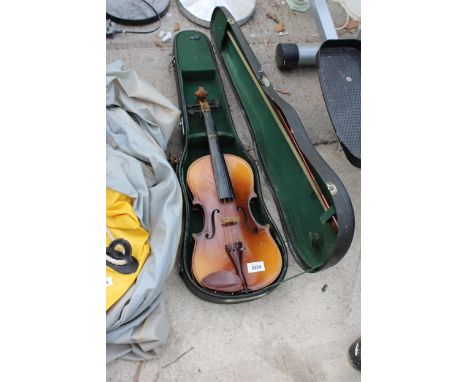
(301, 209)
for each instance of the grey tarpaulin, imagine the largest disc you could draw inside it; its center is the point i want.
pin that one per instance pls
(140, 121)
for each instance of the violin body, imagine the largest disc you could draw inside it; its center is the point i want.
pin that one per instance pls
(233, 252)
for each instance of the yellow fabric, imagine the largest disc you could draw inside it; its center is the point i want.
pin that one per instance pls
(123, 223)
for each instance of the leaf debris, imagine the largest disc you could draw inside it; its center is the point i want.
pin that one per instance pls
(158, 42)
(283, 91)
(352, 24)
(273, 17)
(279, 27)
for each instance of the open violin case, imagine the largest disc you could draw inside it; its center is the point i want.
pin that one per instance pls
(314, 206)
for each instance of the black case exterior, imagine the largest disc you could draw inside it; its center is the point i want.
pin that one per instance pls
(337, 197)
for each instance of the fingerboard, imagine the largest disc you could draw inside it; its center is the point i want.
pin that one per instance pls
(221, 174)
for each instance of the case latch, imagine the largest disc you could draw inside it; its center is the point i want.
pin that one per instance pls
(263, 78)
(332, 188)
(182, 126)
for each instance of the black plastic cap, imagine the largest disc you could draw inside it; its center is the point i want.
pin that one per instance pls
(287, 56)
(355, 354)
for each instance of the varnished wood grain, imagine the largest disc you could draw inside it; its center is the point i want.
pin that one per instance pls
(210, 255)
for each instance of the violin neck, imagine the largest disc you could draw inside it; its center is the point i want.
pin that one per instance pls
(221, 175)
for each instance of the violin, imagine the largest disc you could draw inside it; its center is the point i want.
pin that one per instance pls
(233, 252)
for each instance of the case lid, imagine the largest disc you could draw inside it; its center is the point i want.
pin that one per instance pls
(314, 205)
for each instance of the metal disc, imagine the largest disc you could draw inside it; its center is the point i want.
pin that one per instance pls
(135, 12)
(199, 11)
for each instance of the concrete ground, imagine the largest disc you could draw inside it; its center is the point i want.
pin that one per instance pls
(297, 332)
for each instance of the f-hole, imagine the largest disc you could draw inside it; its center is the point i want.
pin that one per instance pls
(249, 226)
(213, 226)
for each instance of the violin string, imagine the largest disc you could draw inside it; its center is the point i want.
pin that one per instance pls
(230, 222)
(229, 240)
(234, 214)
(226, 185)
(223, 214)
(225, 210)
(231, 206)
(226, 213)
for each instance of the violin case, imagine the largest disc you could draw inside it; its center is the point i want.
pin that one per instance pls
(315, 209)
